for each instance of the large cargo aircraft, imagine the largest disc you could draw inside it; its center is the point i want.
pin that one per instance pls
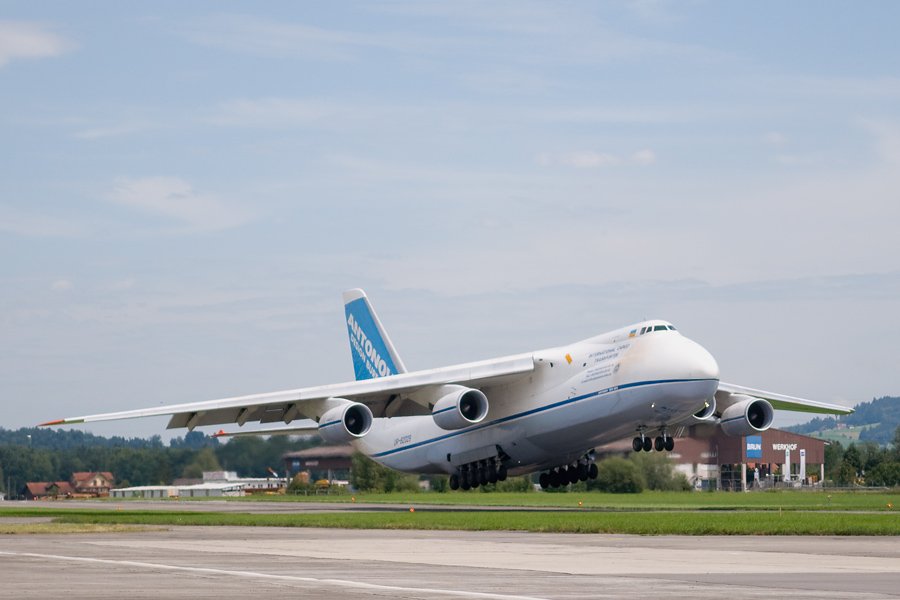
(482, 421)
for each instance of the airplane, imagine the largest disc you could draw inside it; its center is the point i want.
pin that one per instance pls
(544, 411)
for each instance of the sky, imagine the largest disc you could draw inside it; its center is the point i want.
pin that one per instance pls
(188, 188)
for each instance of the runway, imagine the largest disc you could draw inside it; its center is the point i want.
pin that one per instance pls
(241, 562)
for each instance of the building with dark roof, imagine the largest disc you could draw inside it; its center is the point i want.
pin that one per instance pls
(322, 462)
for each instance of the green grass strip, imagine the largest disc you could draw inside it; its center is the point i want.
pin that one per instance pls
(774, 500)
(640, 523)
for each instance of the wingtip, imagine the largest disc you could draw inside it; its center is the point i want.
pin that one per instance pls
(48, 423)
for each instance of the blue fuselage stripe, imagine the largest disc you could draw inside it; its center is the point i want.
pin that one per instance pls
(535, 411)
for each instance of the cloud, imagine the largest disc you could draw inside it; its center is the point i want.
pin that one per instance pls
(588, 159)
(19, 39)
(774, 138)
(175, 198)
(61, 285)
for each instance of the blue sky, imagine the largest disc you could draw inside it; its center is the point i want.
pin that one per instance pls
(188, 189)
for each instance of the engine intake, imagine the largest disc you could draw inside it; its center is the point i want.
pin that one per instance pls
(345, 423)
(459, 408)
(747, 417)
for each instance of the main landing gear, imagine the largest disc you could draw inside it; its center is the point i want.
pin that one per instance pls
(582, 470)
(662, 442)
(478, 473)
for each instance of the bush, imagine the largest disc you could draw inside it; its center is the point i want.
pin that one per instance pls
(439, 483)
(658, 472)
(618, 476)
(368, 476)
(512, 484)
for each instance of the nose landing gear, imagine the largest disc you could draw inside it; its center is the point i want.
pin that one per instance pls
(662, 442)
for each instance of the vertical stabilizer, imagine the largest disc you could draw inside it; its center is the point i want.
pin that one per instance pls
(373, 353)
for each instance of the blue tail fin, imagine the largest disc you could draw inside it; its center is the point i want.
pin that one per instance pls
(373, 353)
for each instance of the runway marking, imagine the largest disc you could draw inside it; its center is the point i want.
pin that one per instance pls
(253, 575)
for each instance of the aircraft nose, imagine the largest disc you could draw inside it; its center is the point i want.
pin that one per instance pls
(678, 358)
(699, 363)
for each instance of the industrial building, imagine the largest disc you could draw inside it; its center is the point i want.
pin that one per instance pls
(332, 463)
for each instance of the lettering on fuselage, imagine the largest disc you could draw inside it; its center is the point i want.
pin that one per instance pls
(400, 441)
(362, 345)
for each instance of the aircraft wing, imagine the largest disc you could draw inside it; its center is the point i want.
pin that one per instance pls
(778, 401)
(385, 396)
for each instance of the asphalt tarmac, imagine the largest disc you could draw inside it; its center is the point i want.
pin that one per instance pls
(244, 562)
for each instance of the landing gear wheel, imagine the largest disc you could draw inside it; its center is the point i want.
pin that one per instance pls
(454, 482)
(501, 473)
(637, 444)
(472, 478)
(464, 483)
(492, 474)
(593, 471)
(648, 444)
(659, 444)
(554, 479)
(544, 480)
(670, 444)
(573, 474)
(582, 472)
(482, 475)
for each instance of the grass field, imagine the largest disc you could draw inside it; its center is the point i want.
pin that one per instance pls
(671, 501)
(650, 513)
(641, 523)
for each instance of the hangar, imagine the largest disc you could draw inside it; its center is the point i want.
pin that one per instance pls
(774, 458)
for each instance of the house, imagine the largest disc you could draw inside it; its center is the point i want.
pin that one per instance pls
(43, 489)
(95, 483)
(85, 484)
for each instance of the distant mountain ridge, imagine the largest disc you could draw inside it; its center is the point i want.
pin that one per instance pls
(882, 415)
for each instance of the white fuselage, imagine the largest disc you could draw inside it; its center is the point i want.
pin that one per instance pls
(590, 393)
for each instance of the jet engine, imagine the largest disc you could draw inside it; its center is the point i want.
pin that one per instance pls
(459, 407)
(706, 413)
(747, 416)
(345, 422)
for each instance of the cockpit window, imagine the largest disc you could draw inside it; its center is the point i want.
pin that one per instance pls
(650, 328)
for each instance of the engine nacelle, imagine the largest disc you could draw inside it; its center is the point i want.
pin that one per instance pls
(460, 408)
(706, 413)
(345, 422)
(748, 416)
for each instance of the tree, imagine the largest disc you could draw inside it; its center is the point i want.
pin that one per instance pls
(886, 473)
(204, 461)
(659, 473)
(618, 476)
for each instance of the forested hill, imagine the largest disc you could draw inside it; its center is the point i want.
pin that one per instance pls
(883, 413)
(57, 439)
